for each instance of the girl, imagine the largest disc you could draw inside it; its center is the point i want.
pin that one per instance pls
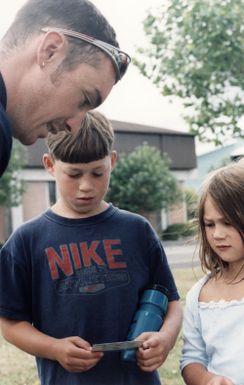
(213, 347)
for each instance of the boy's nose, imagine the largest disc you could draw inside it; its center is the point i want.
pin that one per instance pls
(85, 185)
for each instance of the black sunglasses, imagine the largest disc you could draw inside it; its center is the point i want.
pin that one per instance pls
(120, 59)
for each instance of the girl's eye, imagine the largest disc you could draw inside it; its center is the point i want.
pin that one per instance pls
(208, 224)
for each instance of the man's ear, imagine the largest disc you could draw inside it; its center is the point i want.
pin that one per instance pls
(113, 159)
(52, 47)
(48, 164)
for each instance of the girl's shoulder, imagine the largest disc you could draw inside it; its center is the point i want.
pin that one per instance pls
(194, 292)
(217, 290)
(192, 300)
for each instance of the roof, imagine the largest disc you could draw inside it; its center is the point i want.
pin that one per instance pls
(134, 127)
(178, 145)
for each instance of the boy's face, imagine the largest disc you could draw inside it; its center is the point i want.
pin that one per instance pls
(81, 186)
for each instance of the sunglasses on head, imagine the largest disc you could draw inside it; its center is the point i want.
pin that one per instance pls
(120, 59)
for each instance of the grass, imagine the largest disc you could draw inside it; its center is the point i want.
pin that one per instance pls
(18, 368)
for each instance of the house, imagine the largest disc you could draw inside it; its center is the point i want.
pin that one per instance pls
(214, 159)
(40, 191)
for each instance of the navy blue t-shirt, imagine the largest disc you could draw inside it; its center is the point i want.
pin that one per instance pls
(5, 130)
(83, 277)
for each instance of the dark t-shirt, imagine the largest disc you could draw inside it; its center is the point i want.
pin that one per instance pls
(5, 130)
(83, 277)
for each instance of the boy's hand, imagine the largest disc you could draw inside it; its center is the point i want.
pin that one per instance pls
(75, 354)
(153, 352)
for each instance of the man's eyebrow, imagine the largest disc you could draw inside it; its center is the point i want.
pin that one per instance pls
(94, 97)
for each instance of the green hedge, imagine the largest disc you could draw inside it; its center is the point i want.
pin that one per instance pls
(178, 230)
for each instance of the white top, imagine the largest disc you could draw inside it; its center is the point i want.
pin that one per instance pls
(214, 335)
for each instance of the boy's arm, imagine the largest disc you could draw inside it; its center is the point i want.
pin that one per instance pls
(197, 374)
(172, 324)
(73, 353)
(157, 345)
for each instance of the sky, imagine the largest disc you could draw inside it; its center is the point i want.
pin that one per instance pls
(133, 99)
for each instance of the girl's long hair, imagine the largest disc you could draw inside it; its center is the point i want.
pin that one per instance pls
(226, 188)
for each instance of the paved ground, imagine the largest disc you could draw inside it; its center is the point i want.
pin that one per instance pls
(181, 254)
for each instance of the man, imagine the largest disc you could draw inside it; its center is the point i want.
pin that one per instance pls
(58, 60)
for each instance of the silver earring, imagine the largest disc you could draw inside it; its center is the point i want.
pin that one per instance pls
(43, 64)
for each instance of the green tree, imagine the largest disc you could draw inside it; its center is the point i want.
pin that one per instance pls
(11, 187)
(191, 198)
(195, 52)
(142, 181)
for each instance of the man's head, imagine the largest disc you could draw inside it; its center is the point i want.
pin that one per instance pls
(81, 165)
(59, 74)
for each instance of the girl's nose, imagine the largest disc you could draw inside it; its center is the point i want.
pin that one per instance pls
(219, 232)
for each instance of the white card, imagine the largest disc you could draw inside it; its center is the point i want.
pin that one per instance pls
(113, 346)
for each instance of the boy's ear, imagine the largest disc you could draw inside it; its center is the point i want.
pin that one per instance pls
(113, 159)
(48, 163)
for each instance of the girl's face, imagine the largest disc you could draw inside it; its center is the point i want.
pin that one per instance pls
(222, 237)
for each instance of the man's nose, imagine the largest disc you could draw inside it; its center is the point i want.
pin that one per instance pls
(73, 124)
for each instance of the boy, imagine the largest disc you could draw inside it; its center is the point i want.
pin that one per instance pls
(73, 276)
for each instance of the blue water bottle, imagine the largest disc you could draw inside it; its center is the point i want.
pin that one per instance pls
(149, 316)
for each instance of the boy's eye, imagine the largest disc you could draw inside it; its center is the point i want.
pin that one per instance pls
(97, 174)
(74, 175)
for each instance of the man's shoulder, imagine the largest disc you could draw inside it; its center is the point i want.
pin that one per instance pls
(5, 140)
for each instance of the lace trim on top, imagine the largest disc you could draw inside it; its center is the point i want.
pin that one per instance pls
(221, 303)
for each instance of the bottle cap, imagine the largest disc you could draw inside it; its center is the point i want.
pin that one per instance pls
(158, 287)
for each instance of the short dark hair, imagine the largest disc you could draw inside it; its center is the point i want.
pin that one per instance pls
(93, 141)
(77, 15)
